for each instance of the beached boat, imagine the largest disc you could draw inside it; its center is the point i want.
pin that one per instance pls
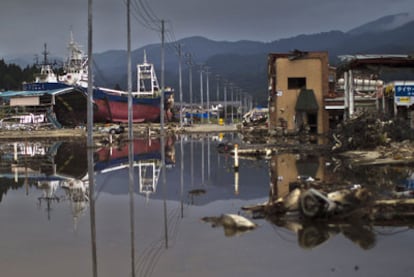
(110, 105)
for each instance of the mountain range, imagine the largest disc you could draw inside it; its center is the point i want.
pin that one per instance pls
(244, 63)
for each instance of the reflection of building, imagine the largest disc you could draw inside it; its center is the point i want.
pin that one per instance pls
(298, 82)
(287, 168)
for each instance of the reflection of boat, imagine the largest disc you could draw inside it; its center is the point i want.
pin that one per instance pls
(147, 159)
(66, 94)
(109, 158)
(54, 169)
(59, 170)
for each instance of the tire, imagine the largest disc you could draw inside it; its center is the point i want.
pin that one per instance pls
(310, 204)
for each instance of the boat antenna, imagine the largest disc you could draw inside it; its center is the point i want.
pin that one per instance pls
(45, 53)
(145, 56)
(71, 36)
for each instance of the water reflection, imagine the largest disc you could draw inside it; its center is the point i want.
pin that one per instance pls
(287, 170)
(137, 223)
(313, 234)
(60, 169)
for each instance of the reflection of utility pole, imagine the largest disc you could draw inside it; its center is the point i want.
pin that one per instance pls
(202, 161)
(208, 158)
(182, 176)
(192, 161)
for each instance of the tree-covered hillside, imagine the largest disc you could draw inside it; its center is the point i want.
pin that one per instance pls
(12, 76)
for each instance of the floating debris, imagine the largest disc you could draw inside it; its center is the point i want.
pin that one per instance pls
(232, 224)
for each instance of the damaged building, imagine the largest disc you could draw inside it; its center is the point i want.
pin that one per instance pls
(306, 93)
(39, 106)
(298, 83)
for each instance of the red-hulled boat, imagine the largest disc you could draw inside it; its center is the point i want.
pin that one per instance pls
(109, 105)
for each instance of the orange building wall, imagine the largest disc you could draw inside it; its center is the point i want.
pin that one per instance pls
(314, 67)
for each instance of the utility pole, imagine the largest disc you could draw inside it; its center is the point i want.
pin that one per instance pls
(129, 70)
(217, 96)
(180, 85)
(201, 91)
(130, 138)
(238, 110)
(225, 101)
(232, 102)
(190, 79)
(91, 173)
(162, 78)
(90, 79)
(163, 174)
(217, 87)
(208, 94)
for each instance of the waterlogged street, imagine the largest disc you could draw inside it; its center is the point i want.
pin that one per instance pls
(154, 226)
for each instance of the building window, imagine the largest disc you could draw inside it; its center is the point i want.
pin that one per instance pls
(296, 83)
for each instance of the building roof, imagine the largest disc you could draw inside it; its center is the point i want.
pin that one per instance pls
(27, 93)
(364, 61)
(306, 101)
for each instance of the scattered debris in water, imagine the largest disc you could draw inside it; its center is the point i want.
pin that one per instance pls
(232, 224)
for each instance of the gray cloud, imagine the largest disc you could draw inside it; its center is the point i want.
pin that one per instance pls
(26, 25)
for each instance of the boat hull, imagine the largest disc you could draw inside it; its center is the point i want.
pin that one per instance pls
(111, 107)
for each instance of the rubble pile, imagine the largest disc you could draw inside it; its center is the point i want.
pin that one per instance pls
(345, 204)
(367, 132)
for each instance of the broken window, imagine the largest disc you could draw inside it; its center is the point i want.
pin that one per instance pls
(296, 82)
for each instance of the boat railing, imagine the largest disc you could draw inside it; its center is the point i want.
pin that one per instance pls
(134, 93)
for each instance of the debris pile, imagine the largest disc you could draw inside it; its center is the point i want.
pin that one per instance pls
(345, 204)
(368, 132)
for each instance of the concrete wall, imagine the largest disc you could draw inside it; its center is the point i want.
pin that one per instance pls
(314, 67)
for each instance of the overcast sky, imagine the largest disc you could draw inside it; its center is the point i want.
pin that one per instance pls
(25, 25)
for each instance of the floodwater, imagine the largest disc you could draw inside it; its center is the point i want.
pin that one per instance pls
(143, 221)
